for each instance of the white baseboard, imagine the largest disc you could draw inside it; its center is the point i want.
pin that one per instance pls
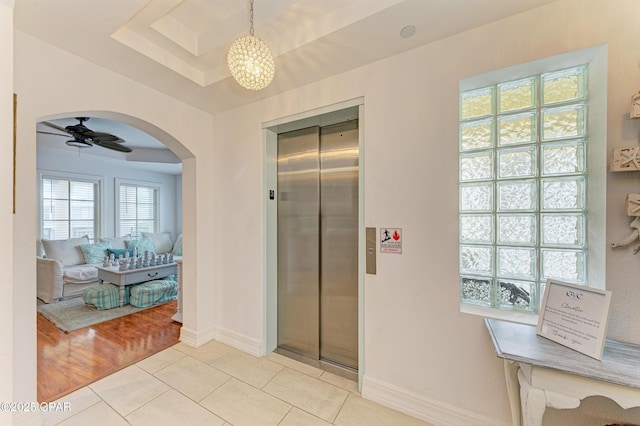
(432, 411)
(239, 341)
(191, 338)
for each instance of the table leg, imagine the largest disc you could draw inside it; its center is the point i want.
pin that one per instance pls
(534, 402)
(121, 296)
(513, 390)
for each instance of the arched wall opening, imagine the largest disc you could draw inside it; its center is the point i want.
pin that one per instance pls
(25, 238)
(50, 82)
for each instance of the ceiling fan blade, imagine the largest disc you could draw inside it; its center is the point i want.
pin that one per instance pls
(51, 133)
(99, 137)
(55, 126)
(77, 130)
(112, 145)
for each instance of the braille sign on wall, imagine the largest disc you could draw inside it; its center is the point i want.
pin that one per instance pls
(391, 240)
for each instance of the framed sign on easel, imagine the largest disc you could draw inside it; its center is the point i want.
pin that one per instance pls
(575, 316)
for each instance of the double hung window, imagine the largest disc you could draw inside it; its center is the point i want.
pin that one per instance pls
(69, 207)
(137, 207)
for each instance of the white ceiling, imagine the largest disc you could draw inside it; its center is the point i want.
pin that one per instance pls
(179, 47)
(148, 153)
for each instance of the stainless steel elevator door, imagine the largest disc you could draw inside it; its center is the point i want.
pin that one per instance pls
(298, 242)
(318, 243)
(339, 156)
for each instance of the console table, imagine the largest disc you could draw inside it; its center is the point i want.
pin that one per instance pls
(541, 373)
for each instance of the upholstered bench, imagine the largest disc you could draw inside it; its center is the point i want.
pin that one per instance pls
(153, 293)
(105, 296)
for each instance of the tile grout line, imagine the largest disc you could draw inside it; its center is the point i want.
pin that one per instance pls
(341, 407)
(148, 402)
(230, 376)
(302, 409)
(198, 403)
(106, 403)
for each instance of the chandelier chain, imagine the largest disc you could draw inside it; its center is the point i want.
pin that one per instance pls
(251, 17)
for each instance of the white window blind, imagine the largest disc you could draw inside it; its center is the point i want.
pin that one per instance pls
(138, 208)
(69, 208)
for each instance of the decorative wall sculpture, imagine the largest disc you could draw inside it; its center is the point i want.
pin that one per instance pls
(632, 210)
(626, 160)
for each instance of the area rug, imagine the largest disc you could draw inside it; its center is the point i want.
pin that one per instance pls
(72, 314)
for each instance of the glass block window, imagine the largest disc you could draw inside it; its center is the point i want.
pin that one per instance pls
(138, 208)
(523, 186)
(69, 208)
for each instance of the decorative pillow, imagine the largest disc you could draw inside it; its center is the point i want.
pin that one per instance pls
(40, 249)
(66, 252)
(177, 247)
(142, 244)
(119, 252)
(95, 253)
(117, 242)
(80, 274)
(161, 241)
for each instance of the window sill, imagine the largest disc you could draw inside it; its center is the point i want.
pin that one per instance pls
(513, 316)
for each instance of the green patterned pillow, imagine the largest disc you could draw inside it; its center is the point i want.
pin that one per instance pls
(95, 253)
(142, 244)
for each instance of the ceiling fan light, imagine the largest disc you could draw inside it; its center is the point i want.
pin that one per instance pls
(251, 63)
(78, 144)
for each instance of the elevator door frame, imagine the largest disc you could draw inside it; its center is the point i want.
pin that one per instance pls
(333, 114)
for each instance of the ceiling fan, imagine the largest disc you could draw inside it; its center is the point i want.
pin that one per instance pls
(84, 137)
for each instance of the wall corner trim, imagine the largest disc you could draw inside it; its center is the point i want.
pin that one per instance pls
(195, 339)
(228, 337)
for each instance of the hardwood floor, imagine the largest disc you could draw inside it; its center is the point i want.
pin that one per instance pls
(69, 361)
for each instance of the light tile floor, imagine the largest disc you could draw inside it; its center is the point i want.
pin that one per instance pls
(218, 385)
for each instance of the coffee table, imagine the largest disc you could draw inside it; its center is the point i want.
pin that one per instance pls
(114, 275)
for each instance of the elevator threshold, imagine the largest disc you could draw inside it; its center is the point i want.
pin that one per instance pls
(323, 364)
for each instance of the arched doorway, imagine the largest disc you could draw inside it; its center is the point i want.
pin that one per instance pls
(170, 142)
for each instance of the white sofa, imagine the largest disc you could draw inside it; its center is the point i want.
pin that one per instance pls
(65, 268)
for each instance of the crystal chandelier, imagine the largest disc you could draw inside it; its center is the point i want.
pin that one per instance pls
(250, 60)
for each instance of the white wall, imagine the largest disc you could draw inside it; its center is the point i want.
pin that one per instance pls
(418, 347)
(178, 207)
(7, 332)
(51, 160)
(72, 85)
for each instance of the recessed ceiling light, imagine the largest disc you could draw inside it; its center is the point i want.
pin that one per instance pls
(408, 31)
